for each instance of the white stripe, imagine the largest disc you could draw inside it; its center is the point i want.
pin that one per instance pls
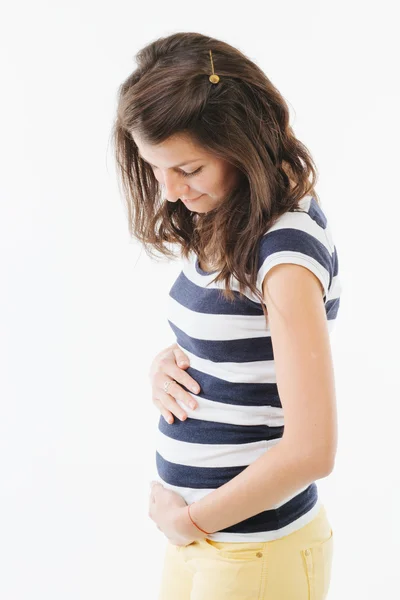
(305, 202)
(302, 222)
(209, 410)
(205, 326)
(336, 288)
(331, 325)
(259, 371)
(211, 455)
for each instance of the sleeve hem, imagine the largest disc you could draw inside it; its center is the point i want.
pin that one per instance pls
(309, 263)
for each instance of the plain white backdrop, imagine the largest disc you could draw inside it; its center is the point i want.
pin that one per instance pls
(82, 307)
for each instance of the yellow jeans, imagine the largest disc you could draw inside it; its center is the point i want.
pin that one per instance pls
(294, 567)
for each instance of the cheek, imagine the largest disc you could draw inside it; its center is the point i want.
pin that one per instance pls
(213, 184)
(231, 180)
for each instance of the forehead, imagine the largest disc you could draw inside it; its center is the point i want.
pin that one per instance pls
(178, 146)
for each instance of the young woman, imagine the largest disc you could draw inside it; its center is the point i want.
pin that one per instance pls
(210, 164)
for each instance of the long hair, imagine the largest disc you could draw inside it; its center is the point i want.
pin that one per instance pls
(242, 119)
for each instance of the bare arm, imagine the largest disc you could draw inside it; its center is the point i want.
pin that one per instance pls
(305, 379)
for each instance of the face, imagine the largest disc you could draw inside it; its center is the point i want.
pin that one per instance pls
(188, 173)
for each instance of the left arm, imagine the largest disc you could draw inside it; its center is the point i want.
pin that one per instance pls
(305, 379)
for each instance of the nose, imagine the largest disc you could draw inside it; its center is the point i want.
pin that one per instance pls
(174, 187)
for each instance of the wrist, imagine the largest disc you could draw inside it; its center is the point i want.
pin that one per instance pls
(188, 526)
(192, 510)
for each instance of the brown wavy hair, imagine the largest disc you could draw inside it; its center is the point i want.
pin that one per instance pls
(242, 119)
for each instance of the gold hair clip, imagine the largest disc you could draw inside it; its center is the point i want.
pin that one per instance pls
(213, 78)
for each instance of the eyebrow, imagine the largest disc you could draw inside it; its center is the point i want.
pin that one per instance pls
(187, 162)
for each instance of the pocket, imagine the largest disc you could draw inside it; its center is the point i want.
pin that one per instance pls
(237, 550)
(318, 563)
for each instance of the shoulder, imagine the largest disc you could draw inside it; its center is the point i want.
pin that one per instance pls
(301, 237)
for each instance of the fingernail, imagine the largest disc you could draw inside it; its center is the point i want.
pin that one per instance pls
(195, 389)
(183, 364)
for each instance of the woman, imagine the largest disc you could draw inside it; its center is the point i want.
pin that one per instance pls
(209, 162)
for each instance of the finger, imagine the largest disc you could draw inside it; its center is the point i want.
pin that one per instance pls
(184, 378)
(171, 406)
(168, 400)
(175, 390)
(165, 413)
(169, 367)
(181, 358)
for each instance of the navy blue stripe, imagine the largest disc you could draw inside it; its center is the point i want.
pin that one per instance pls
(211, 301)
(195, 477)
(294, 240)
(316, 213)
(236, 350)
(212, 477)
(270, 520)
(332, 307)
(231, 392)
(335, 261)
(196, 431)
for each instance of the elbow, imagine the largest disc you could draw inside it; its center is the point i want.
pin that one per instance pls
(321, 462)
(317, 462)
(328, 455)
(327, 467)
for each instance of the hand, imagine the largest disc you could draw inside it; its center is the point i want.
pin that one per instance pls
(167, 366)
(169, 512)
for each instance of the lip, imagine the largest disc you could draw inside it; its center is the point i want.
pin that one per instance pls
(188, 200)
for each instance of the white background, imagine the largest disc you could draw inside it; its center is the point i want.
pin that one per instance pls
(82, 307)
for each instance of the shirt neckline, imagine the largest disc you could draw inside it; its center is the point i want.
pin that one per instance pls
(199, 269)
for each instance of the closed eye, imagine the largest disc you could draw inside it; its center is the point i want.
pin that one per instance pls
(192, 173)
(183, 172)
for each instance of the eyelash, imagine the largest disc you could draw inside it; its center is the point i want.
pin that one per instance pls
(193, 173)
(187, 174)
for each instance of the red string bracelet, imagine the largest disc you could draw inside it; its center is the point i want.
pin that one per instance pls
(190, 517)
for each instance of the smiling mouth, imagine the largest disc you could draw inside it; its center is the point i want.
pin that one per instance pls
(191, 199)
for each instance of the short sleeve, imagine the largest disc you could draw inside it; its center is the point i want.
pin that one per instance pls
(296, 238)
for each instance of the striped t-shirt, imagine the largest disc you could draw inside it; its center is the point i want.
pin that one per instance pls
(239, 414)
